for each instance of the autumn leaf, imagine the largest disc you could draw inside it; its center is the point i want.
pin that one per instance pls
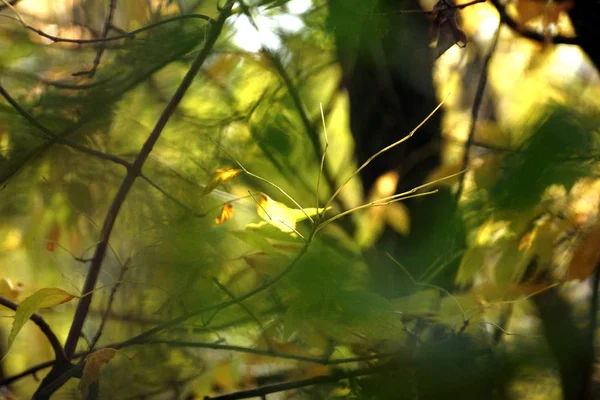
(219, 176)
(226, 214)
(281, 216)
(43, 298)
(91, 369)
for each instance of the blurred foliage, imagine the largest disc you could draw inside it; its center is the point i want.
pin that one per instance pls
(240, 205)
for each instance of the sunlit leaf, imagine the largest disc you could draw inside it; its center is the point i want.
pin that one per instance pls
(281, 216)
(219, 176)
(226, 214)
(91, 369)
(43, 298)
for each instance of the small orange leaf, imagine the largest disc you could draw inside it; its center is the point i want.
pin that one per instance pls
(43, 298)
(219, 176)
(91, 369)
(226, 213)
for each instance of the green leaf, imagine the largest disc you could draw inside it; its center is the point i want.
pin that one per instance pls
(43, 298)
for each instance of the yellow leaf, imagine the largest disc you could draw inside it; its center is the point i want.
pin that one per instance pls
(219, 176)
(43, 298)
(91, 369)
(281, 216)
(226, 214)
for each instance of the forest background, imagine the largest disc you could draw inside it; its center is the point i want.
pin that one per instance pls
(354, 199)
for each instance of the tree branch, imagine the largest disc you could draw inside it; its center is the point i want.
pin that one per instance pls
(132, 174)
(476, 107)
(44, 327)
(128, 35)
(48, 385)
(317, 380)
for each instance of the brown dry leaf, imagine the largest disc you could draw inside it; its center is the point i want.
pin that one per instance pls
(585, 256)
(219, 176)
(226, 214)
(91, 370)
(444, 30)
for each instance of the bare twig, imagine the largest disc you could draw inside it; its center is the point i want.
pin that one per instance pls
(127, 35)
(109, 304)
(44, 327)
(107, 23)
(529, 34)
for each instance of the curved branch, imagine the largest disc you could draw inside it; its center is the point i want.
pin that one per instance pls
(44, 327)
(128, 35)
(529, 34)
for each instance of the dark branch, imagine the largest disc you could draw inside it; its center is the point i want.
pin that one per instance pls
(132, 174)
(128, 35)
(476, 107)
(44, 327)
(56, 377)
(529, 34)
(281, 387)
(11, 2)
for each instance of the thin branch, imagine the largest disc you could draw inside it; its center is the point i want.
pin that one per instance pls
(476, 107)
(529, 34)
(132, 173)
(60, 140)
(269, 353)
(364, 165)
(107, 23)
(143, 337)
(128, 35)
(10, 2)
(317, 380)
(249, 312)
(109, 304)
(44, 327)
